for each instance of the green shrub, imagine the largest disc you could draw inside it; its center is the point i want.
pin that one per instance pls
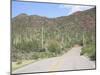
(19, 62)
(54, 47)
(90, 51)
(27, 46)
(35, 55)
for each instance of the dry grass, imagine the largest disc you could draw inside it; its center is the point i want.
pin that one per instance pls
(15, 65)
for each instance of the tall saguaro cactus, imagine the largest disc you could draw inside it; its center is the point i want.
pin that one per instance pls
(84, 40)
(42, 37)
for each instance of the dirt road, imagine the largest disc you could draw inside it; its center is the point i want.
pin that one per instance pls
(72, 60)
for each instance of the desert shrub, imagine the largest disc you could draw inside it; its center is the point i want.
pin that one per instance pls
(27, 46)
(54, 47)
(43, 55)
(90, 51)
(35, 55)
(19, 62)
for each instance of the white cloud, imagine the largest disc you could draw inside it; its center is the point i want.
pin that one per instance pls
(75, 8)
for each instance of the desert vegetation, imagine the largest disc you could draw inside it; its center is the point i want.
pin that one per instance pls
(35, 37)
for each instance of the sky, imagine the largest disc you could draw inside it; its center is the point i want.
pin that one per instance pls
(45, 9)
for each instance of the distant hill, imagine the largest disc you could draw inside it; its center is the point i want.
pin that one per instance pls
(83, 19)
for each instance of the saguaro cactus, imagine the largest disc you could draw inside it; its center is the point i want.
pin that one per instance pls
(42, 37)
